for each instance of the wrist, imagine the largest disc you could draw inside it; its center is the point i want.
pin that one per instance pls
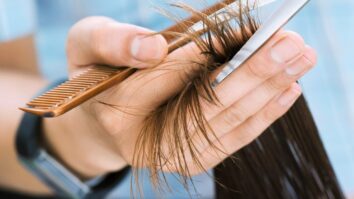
(78, 142)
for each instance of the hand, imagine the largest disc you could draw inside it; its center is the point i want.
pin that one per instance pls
(98, 139)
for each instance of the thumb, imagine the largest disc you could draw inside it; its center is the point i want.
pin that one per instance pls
(100, 40)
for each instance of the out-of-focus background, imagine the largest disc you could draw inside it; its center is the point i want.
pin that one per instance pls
(328, 25)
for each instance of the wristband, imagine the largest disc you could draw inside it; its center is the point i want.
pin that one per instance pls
(33, 155)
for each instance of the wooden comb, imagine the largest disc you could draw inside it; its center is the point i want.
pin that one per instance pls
(96, 79)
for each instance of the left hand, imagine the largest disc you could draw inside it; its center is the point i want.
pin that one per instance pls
(97, 139)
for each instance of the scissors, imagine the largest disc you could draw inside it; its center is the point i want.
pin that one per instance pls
(277, 20)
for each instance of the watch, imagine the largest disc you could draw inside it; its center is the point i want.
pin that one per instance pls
(33, 155)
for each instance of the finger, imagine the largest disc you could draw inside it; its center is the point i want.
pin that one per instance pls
(168, 78)
(250, 104)
(250, 130)
(160, 83)
(282, 50)
(100, 40)
(259, 68)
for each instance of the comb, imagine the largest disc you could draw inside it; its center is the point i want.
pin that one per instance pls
(98, 78)
(77, 90)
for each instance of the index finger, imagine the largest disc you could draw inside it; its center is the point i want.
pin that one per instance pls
(280, 51)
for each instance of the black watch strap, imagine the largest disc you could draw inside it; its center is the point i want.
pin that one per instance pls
(36, 159)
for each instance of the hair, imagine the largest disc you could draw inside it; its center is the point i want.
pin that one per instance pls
(171, 122)
(287, 161)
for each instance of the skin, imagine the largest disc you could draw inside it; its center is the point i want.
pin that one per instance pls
(94, 139)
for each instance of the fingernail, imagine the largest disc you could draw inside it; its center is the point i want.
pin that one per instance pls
(148, 48)
(300, 67)
(295, 70)
(290, 96)
(284, 51)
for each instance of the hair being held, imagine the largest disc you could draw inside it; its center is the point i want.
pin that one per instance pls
(173, 134)
(167, 140)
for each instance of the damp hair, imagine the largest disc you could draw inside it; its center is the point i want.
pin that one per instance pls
(287, 161)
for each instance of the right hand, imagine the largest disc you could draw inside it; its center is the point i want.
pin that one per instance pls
(98, 139)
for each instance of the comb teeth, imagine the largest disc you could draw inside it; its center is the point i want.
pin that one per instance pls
(77, 90)
(70, 89)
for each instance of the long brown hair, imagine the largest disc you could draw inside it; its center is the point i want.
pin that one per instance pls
(287, 161)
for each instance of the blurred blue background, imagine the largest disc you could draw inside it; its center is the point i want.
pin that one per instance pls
(327, 25)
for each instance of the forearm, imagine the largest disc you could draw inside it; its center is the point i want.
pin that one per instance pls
(16, 89)
(19, 55)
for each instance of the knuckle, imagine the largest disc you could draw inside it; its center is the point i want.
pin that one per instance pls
(250, 133)
(235, 115)
(277, 84)
(258, 70)
(271, 114)
(99, 41)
